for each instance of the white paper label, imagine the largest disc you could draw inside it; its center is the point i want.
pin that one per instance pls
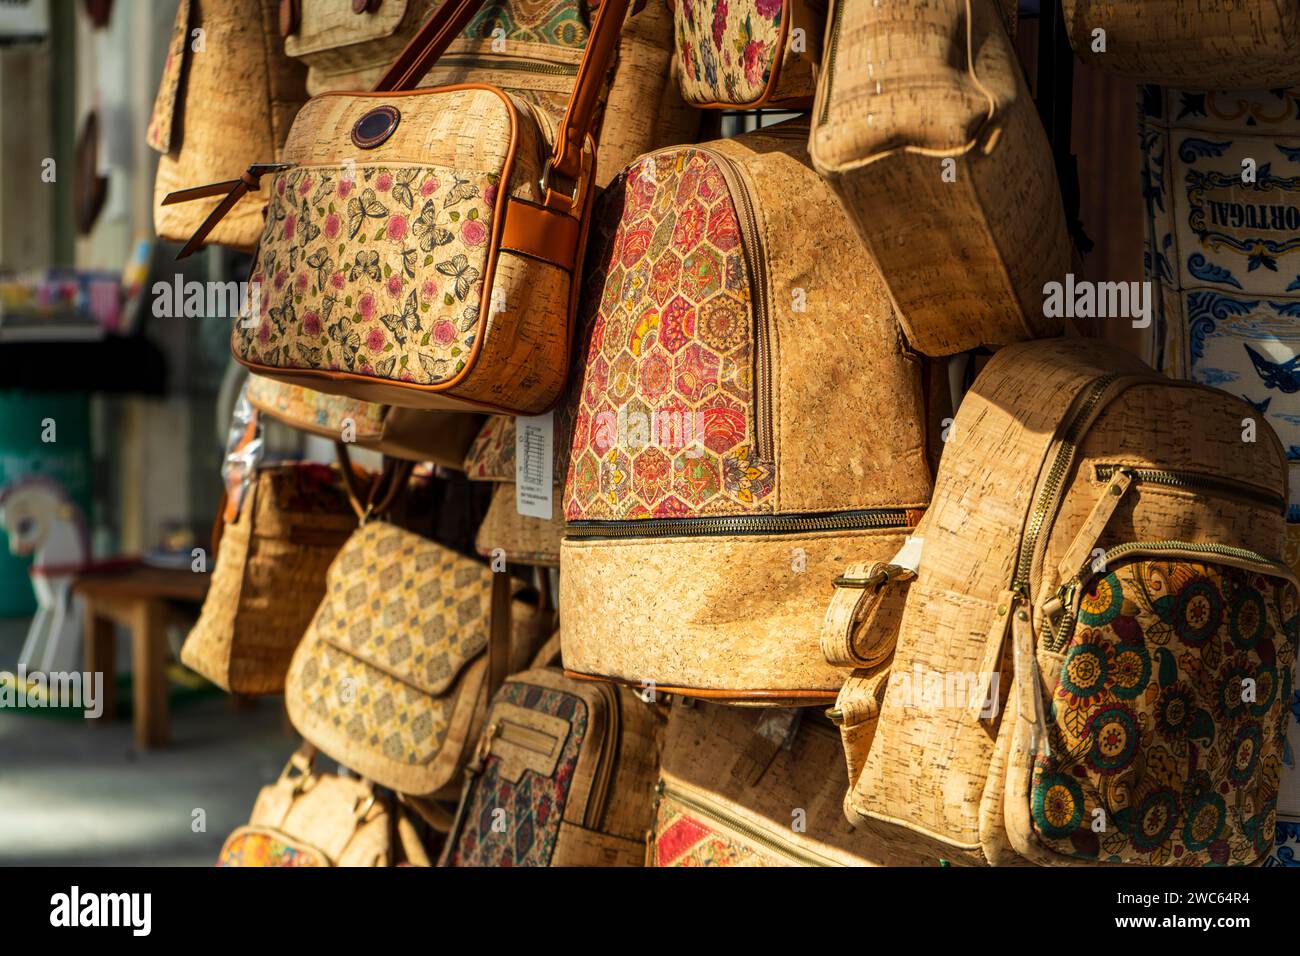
(535, 465)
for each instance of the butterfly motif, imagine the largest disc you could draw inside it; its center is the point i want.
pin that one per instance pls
(462, 189)
(323, 188)
(408, 321)
(366, 264)
(310, 353)
(1284, 376)
(468, 319)
(409, 259)
(384, 367)
(402, 191)
(458, 269)
(306, 227)
(327, 307)
(283, 318)
(323, 263)
(293, 258)
(438, 368)
(367, 205)
(349, 342)
(427, 229)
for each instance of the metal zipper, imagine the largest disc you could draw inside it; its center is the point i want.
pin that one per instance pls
(527, 738)
(1070, 593)
(748, 830)
(469, 60)
(1192, 481)
(594, 815)
(757, 268)
(832, 48)
(740, 524)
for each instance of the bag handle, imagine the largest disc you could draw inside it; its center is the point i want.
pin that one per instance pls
(384, 488)
(565, 163)
(499, 631)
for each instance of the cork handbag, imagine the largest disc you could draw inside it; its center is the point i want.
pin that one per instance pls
(436, 270)
(395, 672)
(1221, 188)
(347, 45)
(748, 418)
(1097, 649)
(748, 53)
(269, 576)
(204, 127)
(309, 818)
(524, 539)
(563, 775)
(404, 433)
(745, 788)
(924, 127)
(1206, 44)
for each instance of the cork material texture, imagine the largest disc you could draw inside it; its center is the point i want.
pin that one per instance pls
(390, 677)
(748, 53)
(1208, 44)
(346, 50)
(269, 578)
(572, 764)
(205, 126)
(715, 792)
(724, 378)
(925, 128)
(524, 538)
(742, 624)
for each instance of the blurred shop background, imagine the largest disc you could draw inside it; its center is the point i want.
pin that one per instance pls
(125, 414)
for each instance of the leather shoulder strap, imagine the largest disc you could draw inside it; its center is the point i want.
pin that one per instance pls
(429, 43)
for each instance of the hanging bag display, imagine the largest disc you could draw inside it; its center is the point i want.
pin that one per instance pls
(1206, 44)
(748, 418)
(563, 775)
(204, 121)
(1097, 651)
(437, 271)
(924, 127)
(348, 44)
(524, 539)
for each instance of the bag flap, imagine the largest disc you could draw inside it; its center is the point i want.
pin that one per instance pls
(330, 24)
(492, 456)
(162, 121)
(316, 412)
(406, 606)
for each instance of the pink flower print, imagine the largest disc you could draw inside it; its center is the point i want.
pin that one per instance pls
(375, 340)
(769, 9)
(311, 322)
(473, 232)
(490, 196)
(444, 333)
(345, 188)
(279, 186)
(365, 369)
(719, 23)
(407, 376)
(429, 289)
(384, 182)
(290, 223)
(755, 61)
(281, 278)
(333, 226)
(397, 228)
(264, 333)
(429, 186)
(395, 286)
(337, 280)
(366, 306)
(300, 282)
(304, 187)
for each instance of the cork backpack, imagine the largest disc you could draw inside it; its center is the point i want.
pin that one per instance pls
(1095, 655)
(748, 417)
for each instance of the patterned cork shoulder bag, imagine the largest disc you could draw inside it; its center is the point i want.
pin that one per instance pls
(1097, 650)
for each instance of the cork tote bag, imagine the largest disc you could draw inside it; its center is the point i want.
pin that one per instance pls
(394, 673)
(310, 818)
(745, 54)
(1099, 573)
(925, 129)
(346, 45)
(745, 788)
(269, 577)
(1205, 44)
(404, 433)
(205, 125)
(733, 441)
(525, 539)
(563, 776)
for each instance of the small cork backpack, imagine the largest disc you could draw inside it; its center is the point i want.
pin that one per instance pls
(1096, 654)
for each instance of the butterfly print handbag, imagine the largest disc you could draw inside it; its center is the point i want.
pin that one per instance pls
(420, 244)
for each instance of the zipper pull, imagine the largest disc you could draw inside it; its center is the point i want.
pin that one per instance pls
(988, 680)
(1080, 550)
(1028, 684)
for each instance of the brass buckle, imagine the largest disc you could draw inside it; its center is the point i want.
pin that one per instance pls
(545, 184)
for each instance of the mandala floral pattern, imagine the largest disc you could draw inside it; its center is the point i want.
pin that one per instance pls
(684, 839)
(665, 420)
(1167, 728)
(259, 848)
(534, 806)
(560, 24)
(380, 274)
(727, 48)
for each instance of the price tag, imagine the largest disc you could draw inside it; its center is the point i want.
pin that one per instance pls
(535, 465)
